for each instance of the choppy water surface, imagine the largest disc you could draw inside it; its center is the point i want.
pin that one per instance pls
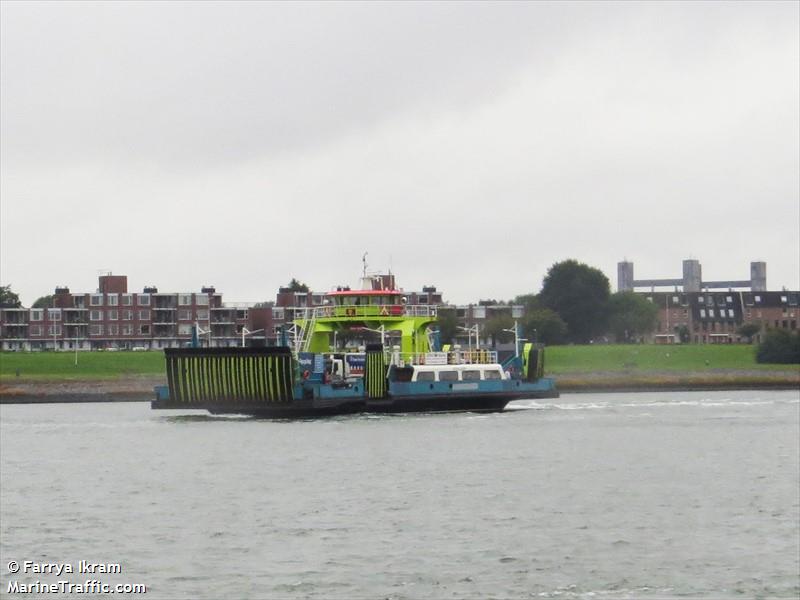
(629, 495)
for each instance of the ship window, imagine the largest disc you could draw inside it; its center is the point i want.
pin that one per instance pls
(425, 376)
(448, 375)
(493, 374)
(470, 375)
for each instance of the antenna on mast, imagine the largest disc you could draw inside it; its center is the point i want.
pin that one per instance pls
(364, 261)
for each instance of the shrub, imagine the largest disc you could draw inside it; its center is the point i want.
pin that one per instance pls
(779, 346)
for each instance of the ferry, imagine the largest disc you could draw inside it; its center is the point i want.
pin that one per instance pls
(309, 376)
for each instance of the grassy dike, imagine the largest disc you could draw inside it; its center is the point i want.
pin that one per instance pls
(659, 367)
(590, 368)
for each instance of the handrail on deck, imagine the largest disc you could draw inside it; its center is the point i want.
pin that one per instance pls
(367, 311)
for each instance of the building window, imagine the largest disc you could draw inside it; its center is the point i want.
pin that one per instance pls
(37, 314)
(201, 300)
(113, 299)
(758, 298)
(95, 315)
(127, 330)
(184, 315)
(127, 299)
(711, 313)
(144, 329)
(95, 330)
(96, 300)
(277, 314)
(676, 300)
(184, 329)
(185, 299)
(144, 315)
(143, 299)
(127, 315)
(36, 330)
(729, 299)
(202, 315)
(53, 314)
(478, 312)
(113, 329)
(113, 315)
(54, 330)
(730, 313)
(784, 299)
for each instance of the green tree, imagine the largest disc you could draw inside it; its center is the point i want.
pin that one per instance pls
(630, 316)
(297, 286)
(8, 299)
(44, 302)
(494, 327)
(779, 346)
(544, 326)
(748, 330)
(448, 324)
(579, 294)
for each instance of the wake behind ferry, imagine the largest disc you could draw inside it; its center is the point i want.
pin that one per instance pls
(307, 376)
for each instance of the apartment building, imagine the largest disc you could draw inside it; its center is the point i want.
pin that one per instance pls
(114, 318)
(716, 316)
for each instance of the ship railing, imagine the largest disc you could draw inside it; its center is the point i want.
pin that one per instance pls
(375, 311)
(455, 357)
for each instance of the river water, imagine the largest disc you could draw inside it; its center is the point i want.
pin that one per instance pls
(587, 496)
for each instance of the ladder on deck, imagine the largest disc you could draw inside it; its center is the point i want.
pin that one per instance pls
(305, 336)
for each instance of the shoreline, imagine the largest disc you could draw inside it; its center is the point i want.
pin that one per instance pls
(140, 389)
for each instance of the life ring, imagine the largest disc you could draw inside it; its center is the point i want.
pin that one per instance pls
(306, 374)
(350, 312)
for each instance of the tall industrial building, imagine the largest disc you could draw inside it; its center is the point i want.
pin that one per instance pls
(692, 279)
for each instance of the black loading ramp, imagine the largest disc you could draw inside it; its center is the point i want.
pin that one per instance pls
(375, 372)
(228, 377)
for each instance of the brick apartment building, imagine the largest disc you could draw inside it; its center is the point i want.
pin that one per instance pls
(716, 316)
(702, 311)
(114, 318)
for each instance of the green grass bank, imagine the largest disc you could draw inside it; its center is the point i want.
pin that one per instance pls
(655, 358)
(45, 366)
(560, 361)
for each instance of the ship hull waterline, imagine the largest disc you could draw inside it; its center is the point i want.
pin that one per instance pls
(481, 403)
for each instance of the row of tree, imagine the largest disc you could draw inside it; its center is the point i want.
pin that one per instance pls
(574, 305)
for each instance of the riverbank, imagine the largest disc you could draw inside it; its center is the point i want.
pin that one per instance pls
(140, 388)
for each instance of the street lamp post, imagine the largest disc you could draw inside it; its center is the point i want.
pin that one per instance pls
(246, 331)
(470, 330)
(517, 339)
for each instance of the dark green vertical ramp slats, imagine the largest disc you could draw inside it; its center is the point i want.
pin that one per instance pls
(206, 376)
(375, 372)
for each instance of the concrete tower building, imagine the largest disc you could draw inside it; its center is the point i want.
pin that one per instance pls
(625, 276)
(758, 276)
(692, 275)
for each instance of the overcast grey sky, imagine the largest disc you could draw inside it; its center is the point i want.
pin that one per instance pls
(469, 146)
